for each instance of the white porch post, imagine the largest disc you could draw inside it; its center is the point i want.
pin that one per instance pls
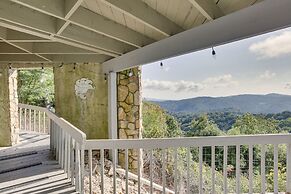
(112, 105)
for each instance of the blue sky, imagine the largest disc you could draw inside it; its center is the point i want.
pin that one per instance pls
(257, 65)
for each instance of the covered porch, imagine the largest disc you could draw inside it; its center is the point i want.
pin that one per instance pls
(96, 49)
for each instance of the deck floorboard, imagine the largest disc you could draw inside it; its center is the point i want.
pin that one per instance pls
(28, 167)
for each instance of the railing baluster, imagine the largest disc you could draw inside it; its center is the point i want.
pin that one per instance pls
(29, 120)
(139, 170)
(114, 169)
(276, 168)
(82, 168)
(39, 121)
(44, 127)
(69, 156)
(237, 169)
(225, 169)
(164, 170)
(34, 120)
(62, 148)
(126, 171)
(90, 171)
(213, 168)
(200, 169)
(73, 161)
(176, 170)
(20, 118)
(288, 163)
(77, 167)
(25, 119)
(65, 151)
(188, 170)
(263, 168)
(102, 170)
(250, 168)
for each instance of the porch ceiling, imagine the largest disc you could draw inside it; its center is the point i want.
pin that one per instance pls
(49, 31)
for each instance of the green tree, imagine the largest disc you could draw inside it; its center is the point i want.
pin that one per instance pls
(202, 126)
(36, 87)
(248, 124)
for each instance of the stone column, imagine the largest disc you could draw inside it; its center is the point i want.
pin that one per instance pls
(9, 127)
(129, 112)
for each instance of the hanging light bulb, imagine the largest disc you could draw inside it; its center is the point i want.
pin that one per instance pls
(213, 52)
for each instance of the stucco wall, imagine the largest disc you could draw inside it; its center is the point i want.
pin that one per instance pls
(81, 98)
(8, 107)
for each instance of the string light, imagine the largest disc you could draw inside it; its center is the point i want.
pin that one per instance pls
(74, 66)
(213, 52)
(105, 76)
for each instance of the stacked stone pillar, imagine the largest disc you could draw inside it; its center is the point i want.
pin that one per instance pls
(9, 127)
(129, 112)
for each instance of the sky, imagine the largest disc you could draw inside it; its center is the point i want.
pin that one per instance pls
(257, 65)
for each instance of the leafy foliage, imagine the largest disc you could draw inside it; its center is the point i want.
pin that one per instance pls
(36, 87)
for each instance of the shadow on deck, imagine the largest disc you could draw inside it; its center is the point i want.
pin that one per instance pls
(28, 167)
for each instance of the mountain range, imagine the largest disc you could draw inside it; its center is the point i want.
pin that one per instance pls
(269, 103)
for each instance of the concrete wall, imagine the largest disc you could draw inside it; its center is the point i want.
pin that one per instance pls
(9, 128)
(81, 98)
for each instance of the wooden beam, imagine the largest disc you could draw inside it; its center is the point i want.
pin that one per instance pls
(100, 24)
(21, 58)
(77, 58)
(207, 8)
(76, 33)
(86, 19)
(24, 16)
(255, 20)
(145, 14)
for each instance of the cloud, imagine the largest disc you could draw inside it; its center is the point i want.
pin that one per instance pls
(220, 81)
(178, 86)
(274, 46)
(189, 86)
(267, 75)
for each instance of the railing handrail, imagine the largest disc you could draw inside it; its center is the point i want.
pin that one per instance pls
(76, 133)
(187, 141)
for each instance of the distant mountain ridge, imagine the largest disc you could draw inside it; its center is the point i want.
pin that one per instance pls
(252, 103)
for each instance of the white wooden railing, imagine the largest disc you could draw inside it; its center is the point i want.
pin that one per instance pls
(164, 145)
(66, 141)
(69, 145)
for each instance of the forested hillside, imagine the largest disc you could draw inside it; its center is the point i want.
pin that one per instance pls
(159, 124)
(270, 103)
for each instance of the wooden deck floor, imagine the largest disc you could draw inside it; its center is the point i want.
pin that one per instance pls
(29, 168)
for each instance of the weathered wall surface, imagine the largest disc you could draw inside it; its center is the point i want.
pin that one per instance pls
(129, 111)
(81, 98)
(9, 128)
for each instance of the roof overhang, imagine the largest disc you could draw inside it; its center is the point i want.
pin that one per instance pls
(123, 34)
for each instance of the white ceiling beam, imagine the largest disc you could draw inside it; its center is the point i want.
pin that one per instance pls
(78, 58)
(50, 48)
(207, 8)
(54, 8)
(145, 14)
(6, 48)
(100, 24)
(21, 58)
(24, 16)
(71, 6)
(88, 20)
(54, 39)
(30, 58)
(248, 22)
(77, 33)
(11, 19)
